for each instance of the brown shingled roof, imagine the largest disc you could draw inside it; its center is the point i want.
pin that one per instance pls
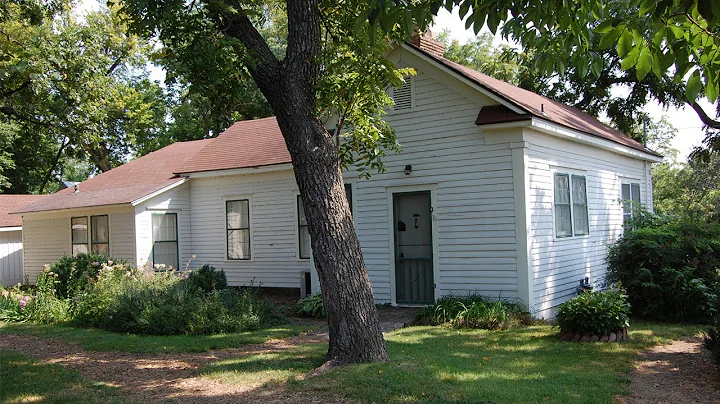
(534, 104)
(245, 144)
(12, 203)
(126, 183)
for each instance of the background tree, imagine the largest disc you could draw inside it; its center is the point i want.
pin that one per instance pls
(70, 88)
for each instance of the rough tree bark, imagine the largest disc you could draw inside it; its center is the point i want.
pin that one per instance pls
(289, 86)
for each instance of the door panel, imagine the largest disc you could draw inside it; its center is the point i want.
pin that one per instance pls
(414, 281)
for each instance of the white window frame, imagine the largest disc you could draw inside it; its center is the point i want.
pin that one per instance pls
(570, 173)
(90, 228)
(87, 234)
(633, 209)
(177, 237)
(251, 222)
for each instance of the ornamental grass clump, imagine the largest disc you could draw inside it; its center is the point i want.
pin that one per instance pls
(475, 311)
(595, 313)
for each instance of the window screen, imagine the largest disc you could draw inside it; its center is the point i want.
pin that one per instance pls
(79, 229)
(100, 234)
(563, 208)
(580, 208)
(238, 229)
(165, 243)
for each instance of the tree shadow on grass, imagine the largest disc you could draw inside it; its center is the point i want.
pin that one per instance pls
(26, 380)
(436, 364)
(101, 340)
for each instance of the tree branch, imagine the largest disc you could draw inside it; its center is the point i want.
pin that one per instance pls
(704, 116)
(19, 116)
(8, 93)
(238, 25)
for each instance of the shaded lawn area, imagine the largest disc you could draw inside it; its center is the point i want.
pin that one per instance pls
(436, 364)
(24, 380)
(100, 340)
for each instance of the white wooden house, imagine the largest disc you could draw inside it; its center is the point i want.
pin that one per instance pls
(497, 191)
(11, 247)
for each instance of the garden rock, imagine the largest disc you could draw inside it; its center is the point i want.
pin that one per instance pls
(570, 336)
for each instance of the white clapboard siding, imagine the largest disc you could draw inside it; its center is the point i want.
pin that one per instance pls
(473, 186)
(11, 262)
(275, 258)
(176, 200)
(559, 264)
(46, 236)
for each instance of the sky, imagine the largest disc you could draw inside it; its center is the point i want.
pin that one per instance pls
(685, 120)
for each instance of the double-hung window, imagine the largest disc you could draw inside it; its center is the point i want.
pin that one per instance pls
(630, 200)
(571, 207)
(100, 234)
(165, 240)
(237, 219)
(79, 230)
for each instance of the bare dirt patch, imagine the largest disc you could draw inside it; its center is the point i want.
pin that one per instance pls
(679, 372)
(167, 377)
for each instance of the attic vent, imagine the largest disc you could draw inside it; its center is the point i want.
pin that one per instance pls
(403, 96)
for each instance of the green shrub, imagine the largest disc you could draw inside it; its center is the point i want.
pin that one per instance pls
(207, 279)
(75, 273)
(311, 306)
(45, 307)
(163, 303)
(712, 337)
(474, 311)
(669, 269)
(595, 313)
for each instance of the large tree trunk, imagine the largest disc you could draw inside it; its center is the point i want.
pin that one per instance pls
(289, 87)
(352, 317)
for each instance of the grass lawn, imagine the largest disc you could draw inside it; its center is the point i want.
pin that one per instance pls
(23, 380)
(100, 340)
(435, 364)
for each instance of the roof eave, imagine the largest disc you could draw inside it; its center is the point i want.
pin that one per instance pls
(158, 192)
(239, 171)
(565, 132)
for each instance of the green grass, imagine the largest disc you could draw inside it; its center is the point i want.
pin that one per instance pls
(24, 380)
(437, 364)
(100, 340)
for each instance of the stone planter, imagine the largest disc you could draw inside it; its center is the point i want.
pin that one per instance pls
(617, 336)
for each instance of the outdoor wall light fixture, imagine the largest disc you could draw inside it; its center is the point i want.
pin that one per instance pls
(408, 168)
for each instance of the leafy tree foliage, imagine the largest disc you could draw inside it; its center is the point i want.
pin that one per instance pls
(661, 50)
(482, 55)
(70, 88)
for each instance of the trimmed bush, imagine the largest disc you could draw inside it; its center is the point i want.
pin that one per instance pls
(669, 269)
(595, 313)
(311, 306)
(475, 311)
(207, 279)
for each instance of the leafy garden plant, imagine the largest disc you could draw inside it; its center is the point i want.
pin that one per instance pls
(595, 313)
(122, 298)
(475, 311)
(311, 306)
(670, 269)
